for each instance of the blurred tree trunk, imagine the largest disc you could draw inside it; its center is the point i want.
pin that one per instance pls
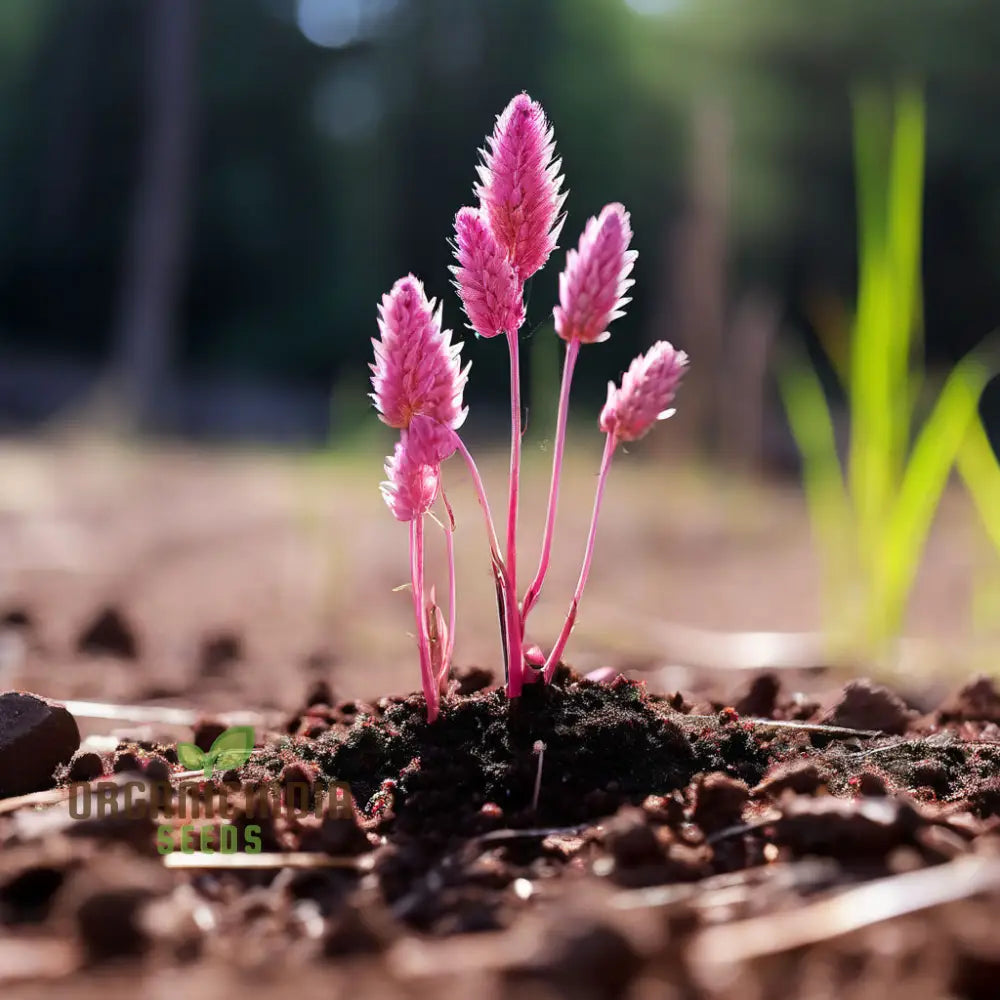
(694, 309)
(722, 405)
(750, 337)
(153, 269)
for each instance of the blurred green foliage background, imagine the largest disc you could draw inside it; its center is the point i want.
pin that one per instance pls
(222, 189)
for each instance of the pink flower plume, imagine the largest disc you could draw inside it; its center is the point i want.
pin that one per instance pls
(646, 392)
(519, 185)
(417, 369)
(486, 282)
(593, 284)
(414, 468)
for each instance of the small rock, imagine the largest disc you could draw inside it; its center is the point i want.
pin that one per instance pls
(342, 835)
(126, 762)
(760, 698)
(85, 767)
(298, 783)
(36, 736)
(667, 809)
(157, 769)
(631, 840)
(931, 774)
(848, 828)
(206, 732)
(109, 634)
(978, 701)
(872, 785)
(865, 705)
(719, 801)
(473, 679)
(801, 777)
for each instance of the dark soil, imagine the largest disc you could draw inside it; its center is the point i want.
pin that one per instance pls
(593, 840)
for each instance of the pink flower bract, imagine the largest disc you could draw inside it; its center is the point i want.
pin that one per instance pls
(486, 282)
(417, 369)
(519, 185)
(593, 284)
(429, 442)
(645, 394)
(414, 468)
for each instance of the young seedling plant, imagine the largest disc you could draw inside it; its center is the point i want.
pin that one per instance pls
(419, 382)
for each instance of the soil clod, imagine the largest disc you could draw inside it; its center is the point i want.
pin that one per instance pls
(36, 736)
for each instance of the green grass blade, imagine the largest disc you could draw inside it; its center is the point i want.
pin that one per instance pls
(905, 202)
(979, 469)
(903, 246)
(870, 384)
(934, 454)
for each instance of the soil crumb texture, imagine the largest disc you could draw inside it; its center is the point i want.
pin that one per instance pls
(591, 840)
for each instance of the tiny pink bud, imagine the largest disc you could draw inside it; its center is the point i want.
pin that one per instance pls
(414, 469)
(487, 284)
(519, 185)
(417, 369)
(594, 282)
(411, 489)
(646, 392)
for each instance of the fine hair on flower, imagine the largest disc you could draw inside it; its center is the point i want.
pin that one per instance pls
(418, 382)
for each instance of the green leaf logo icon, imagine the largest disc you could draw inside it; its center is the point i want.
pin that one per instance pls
(232, 749)
(190, 756)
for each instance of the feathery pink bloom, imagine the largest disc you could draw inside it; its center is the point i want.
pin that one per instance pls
(486, 282)
(646, 392)
(593, 284)
(417, 369)
(519, 185)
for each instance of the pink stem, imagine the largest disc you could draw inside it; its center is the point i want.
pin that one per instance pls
(427, 678)
(449, 541)
(553, 661)
(572, 350)
(506, 594)
(516, 660)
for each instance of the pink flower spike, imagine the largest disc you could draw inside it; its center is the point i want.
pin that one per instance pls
(417, 369)
(593, 284)
(646, 393)
(519, 185)
(486, 282)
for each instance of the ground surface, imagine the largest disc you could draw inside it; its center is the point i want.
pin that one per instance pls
(297, 559)
(592, 841)
(701, 834)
